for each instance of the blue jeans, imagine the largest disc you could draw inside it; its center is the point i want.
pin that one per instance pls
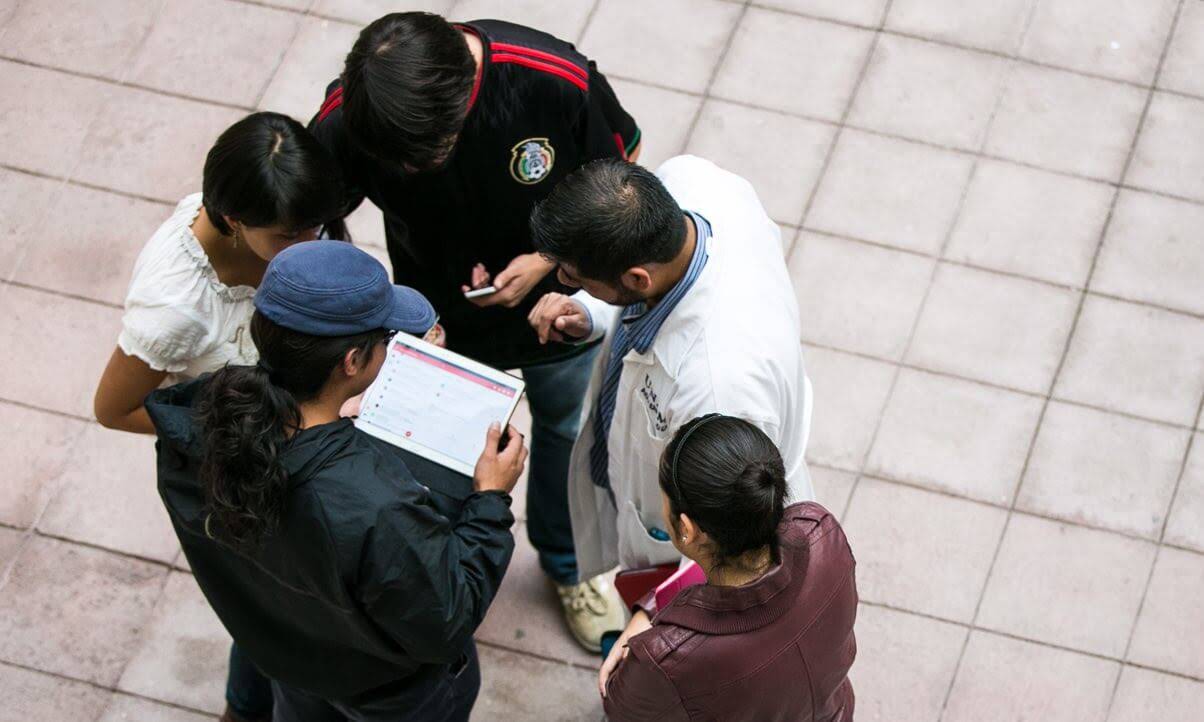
(248, 692)
(556, 393)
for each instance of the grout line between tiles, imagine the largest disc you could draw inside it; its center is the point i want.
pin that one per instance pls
(96, 685)
(706, 92)
(1191, 437)
(298, 25)
(1030, 640)
(535, 655)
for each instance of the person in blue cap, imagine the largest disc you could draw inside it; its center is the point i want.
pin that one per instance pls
(350, 572)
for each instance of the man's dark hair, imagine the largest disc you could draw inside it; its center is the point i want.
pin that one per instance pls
(606, 217)
(267, 170)
(406, 86)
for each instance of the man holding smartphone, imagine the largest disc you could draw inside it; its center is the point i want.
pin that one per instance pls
(455, 132)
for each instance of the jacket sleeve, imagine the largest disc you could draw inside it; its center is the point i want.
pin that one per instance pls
(327, 127)
(638, 691)
(601, 315)
(604, 128)
(428, 581)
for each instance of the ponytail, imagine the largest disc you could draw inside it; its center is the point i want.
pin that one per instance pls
(728, 477)
(246, 422)
(248, 416)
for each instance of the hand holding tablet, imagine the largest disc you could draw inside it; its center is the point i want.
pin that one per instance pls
(439, 404)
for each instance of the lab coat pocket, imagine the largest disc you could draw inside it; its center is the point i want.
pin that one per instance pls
(637, 547)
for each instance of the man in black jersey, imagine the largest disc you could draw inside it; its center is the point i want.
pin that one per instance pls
(456, 131)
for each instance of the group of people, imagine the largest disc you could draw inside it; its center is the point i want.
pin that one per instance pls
(653, 321)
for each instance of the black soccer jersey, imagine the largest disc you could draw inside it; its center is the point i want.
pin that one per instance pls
(539, 110)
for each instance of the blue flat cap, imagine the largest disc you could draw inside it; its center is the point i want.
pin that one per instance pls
(332, 288)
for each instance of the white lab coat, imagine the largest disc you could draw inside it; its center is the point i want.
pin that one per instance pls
(732, 345)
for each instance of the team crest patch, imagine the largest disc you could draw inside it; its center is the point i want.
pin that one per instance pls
(531, 160)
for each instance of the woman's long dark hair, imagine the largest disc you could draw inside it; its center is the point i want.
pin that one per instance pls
(726, 475)
(248, 414)
(268, 170)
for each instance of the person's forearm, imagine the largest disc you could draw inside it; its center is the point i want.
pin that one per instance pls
(136, 421)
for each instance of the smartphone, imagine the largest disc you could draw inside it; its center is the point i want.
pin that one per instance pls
(478, 292)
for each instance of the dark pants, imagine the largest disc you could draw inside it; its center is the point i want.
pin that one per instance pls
(556, 393)
(248, 692)
(443, 695)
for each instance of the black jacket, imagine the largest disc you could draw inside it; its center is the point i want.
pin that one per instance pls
(534, 89)
(373, 578)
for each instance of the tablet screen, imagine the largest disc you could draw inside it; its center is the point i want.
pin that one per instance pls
(437, 403)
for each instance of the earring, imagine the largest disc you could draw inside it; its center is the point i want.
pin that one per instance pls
(237, 236)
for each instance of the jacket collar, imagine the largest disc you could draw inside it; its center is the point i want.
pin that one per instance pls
(734, 610)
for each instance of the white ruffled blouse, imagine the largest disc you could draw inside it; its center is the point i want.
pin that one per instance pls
(179, 317)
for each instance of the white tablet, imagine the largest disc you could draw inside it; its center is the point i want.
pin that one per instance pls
(436, 403)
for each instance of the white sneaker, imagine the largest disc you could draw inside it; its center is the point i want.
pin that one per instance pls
(591, 609)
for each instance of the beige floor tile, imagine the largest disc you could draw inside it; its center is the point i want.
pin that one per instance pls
(61, 107)
(664, 118)
(80, 250)
(1153, 252)
(856, 296)
(653, 47)
(898, 534)
(1030, 222)
(10, 544)
(244, 43)
(859, 12)
(1065, 122)
(792, 63)
(363, 12)
(738, 138)
(100, 602)
(993, 26)
(38, 697)
(24, 202)
(1122, 39)
(1066, 585)
(67, 341)
(1103, 470)
(73, 36)
(1136, 359)
(564, 693)
(151, 145)
(1171, 148)
(999, 329)
(832, 487)
(1186, 523)
(904, 665)
(1144, 694)
(850, 392)
(1002, 680)
(313, 61)
(1181, 70)
(108, 497)
(367, 226)
(124, 708)
(1168, 631)
(35, 451)
(525, 614)
(183, 654)
(890, 191)
(565, 19)
(955, 436)
(929, 92)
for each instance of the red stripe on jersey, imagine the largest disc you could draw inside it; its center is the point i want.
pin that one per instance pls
(541, 55)
(537, 65)
(622, 148)
(334, 100)
(476, 85)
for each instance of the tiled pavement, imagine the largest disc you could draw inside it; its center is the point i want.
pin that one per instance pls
(993, 211)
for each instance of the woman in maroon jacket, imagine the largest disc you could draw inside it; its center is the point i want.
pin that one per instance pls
(770, 635)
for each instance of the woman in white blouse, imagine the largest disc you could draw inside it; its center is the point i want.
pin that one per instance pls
(267, 184)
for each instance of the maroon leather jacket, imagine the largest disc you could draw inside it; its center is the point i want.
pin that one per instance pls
(777, 649)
